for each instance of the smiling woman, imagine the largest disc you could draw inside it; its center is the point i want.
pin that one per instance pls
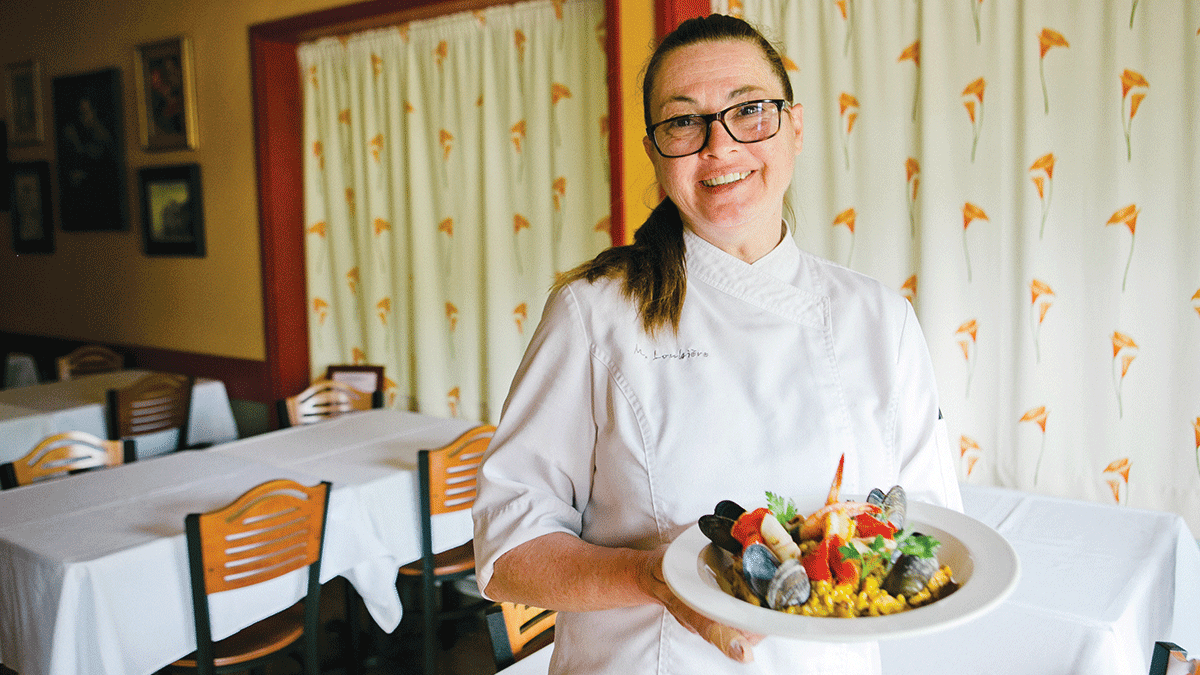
(699, 363)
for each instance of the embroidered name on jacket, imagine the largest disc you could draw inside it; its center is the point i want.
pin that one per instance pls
(679, 354)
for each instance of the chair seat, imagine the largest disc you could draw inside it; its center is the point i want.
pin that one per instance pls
(454, 561)
(265, 637)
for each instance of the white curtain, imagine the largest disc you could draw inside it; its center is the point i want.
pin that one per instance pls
(1027, 174)
(453, 167)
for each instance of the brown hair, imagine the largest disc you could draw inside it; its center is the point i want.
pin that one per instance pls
(652, 267)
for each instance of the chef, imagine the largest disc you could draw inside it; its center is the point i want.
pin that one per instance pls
(711, 359)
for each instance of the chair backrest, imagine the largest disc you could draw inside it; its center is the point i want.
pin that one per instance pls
(324, 399)
(88, 360)
(518, 631)
(156, 402)
(1169, 658)
(64, 453)
(272, 529)
(448, 473)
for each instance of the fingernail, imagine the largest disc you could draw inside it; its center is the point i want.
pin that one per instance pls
(737, 650)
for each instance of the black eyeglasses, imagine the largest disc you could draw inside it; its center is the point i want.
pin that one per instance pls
(752, 121)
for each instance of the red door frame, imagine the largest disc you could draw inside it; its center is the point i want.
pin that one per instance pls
(275, 81)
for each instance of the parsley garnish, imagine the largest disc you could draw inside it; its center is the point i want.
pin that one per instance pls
(919, 545)
(868, 562)
(784, 510)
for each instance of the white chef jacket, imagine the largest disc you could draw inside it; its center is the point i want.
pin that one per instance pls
(778, 368)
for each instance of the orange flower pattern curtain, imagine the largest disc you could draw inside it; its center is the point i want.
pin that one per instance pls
(453, 167)
(1027, 175)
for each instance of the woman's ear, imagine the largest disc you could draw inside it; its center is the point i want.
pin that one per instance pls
(796, 113)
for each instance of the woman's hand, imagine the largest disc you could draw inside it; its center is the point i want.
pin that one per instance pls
(735, 644)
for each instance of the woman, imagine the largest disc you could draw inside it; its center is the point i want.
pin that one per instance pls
(709, 360)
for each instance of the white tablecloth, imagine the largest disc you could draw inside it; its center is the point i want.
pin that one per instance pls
(1099, 585)
(93, 567)
(29, 414)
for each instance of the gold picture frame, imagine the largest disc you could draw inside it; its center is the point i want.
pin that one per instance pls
(166, 95)
(23, 85)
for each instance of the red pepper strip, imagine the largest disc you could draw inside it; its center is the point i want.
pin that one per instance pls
(868, 527)
(846, 571)
(816, 564)
(748, 528)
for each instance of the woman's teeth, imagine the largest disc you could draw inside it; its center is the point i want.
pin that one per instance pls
(722, 180)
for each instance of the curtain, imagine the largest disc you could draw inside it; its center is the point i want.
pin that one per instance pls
(452, 168)
(1026, 174)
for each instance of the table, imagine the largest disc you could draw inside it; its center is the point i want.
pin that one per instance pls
(93, 567)
(29, 414)
(1099, 585)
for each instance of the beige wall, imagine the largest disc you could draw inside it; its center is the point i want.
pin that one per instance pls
(99, 285)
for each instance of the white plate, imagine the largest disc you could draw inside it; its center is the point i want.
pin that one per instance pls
(985, 566)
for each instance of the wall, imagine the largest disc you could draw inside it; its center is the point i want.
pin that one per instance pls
(99, 286)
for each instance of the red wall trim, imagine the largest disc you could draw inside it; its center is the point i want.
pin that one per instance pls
(671, 13)
(275, 81)
(244, 379)
(616, 132)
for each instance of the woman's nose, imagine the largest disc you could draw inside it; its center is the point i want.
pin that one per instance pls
(718, 138)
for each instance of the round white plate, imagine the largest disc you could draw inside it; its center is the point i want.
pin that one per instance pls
(985, 566)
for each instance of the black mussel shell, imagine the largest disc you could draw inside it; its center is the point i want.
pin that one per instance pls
(876, 497)
(909, 575)
(719, 531)
(759, 566)
(729, 509)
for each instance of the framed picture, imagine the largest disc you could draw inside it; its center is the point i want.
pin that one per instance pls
(172, 210)
(32, 218)
(23, 83)
(89, 128)
(362, 378)
(166, 104)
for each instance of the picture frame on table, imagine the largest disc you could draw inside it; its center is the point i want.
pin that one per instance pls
(362, 378)
(172, 210)
(23, 85)
(90, 138)
(32, 208)
(165, 94)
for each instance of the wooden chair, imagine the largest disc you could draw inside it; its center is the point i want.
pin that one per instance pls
(447, 484)
(518, 631)
(89, 360)
(1169, 658)
(322, 400)
(272, 529)
(62, 454)
(156, 402)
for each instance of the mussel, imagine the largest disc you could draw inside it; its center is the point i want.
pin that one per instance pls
(909, 574)
(719, 531)
(894, 504)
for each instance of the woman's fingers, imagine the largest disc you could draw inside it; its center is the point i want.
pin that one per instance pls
(734, 643)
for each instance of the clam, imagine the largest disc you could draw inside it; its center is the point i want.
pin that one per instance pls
(789, 587)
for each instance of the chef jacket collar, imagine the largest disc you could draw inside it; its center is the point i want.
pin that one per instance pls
(771, 282)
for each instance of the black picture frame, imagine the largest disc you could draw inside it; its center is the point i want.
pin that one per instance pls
(23, 82)
(166, 102)
(32, 208)
(172, 210)
(89, 130)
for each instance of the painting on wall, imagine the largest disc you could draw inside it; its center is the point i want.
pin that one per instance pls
(91, 151)
(172, 210)
(166, 104)
(23, 84)
(32, 218)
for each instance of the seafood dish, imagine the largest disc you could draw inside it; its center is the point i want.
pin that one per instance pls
(846, 559)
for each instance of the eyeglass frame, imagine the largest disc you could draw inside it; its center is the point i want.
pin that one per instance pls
(709, 118)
